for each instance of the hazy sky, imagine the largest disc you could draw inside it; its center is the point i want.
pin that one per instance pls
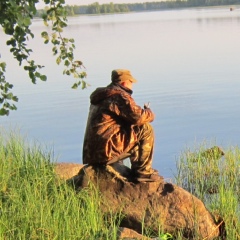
(86, 2)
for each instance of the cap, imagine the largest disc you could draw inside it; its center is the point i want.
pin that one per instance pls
(122, 75)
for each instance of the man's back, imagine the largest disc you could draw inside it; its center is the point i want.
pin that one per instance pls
(109, 123)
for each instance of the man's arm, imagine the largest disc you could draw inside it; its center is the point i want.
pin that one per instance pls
(132, 112)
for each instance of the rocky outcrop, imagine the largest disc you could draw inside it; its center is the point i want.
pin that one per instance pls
(154, 205)
(67, 170)
(129, 234)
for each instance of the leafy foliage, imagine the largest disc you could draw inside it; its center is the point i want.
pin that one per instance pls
(16, 18)
(5, 93)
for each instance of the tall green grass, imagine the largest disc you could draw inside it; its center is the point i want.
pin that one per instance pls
(216, 181)
(35, 204)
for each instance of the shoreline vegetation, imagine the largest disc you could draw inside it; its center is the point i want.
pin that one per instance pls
(112, 8)
(37, 204)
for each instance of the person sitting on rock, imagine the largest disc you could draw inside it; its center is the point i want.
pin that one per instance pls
(118, 128)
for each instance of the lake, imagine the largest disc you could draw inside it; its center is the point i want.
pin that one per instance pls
(187, 66)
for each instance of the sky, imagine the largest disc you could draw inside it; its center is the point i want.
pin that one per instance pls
(87, 2)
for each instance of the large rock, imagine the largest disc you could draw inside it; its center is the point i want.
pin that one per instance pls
(155, 205)
(129, 234)
(67, 170)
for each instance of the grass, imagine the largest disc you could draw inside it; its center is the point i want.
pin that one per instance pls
(36, 204)
(216, 181)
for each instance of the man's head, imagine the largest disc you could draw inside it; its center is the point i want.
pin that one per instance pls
(122, 75)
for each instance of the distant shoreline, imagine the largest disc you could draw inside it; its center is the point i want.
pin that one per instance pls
(234, 8)
(101, 9)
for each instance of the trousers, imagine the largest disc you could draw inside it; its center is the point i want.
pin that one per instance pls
(141, 155)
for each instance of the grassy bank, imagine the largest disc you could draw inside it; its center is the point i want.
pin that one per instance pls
(35, 204)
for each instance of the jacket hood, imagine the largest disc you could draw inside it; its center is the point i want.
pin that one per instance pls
(103, 93)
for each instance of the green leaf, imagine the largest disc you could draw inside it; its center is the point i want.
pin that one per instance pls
(67, 72)
(44, 34)
(75, 86)
(45, 23)
(43, 77)
(9, 30)
(55, 42)
(26, 68)
(37, 74)
(4, 112)
(9, 96)
(65, 40)
(11, 42)
(27, 21)
(40, 66)
(58, 60)
(54, 50)
(13, 107)
(84, 85)
(66, 63)
(15, 98)
(83, 75)
(3, 66)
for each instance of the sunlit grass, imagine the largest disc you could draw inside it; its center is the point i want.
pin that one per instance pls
(35, 204)
(215, 179)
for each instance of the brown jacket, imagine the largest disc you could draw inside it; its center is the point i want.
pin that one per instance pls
(109, 132)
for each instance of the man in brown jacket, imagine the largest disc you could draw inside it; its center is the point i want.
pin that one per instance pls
(118, 128)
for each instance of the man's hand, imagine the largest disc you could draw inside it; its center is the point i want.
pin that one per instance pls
(146, 105)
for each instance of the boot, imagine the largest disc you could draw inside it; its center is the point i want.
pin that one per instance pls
(153, 177)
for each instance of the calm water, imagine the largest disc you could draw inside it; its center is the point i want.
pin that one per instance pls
(186, 63)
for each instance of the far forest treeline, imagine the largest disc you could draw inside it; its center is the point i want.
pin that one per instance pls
(97, 8)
